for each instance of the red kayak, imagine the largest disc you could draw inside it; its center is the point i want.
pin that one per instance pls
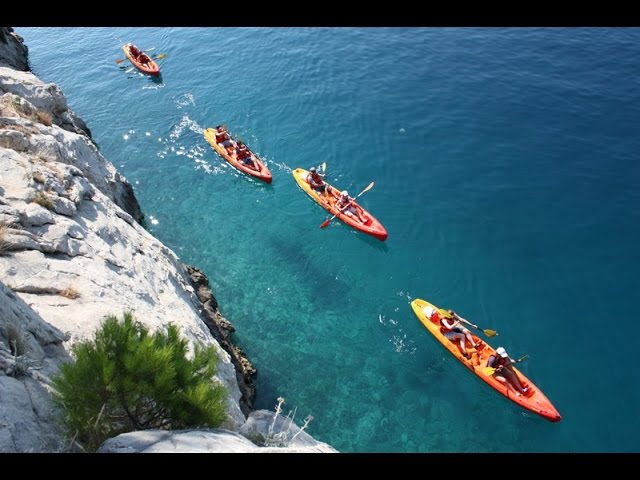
(147, 65)
(371, 227)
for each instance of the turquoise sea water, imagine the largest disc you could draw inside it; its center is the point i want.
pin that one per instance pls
(506, 168)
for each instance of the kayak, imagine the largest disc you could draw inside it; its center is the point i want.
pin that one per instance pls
(372, 227)
(229, 155)
(534, 400)
(150, 68)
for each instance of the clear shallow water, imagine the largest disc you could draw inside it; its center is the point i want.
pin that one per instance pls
(506, 168)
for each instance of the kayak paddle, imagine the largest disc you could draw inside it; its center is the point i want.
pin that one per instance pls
(487, 331)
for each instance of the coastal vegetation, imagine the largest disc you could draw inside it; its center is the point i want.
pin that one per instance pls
(127, 379)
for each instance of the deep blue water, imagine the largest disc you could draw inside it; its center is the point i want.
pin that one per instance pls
(506, 168)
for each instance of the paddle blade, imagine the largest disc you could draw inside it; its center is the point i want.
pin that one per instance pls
(324, 166)
(488, 370)
(326, 223)
(369, 187)
(490, 333)
(161, 56)
(120, 60)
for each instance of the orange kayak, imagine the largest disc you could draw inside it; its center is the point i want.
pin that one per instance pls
(229, 155)
(372, 227)
(534, 400)
(151, 67)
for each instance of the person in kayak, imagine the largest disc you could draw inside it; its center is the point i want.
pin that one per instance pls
(243, 155)
(351, 210)
(133, 50)
(316, 181)
(453, 332)
(222, 137)
(143, 59)
(458, 319)
(504, 370)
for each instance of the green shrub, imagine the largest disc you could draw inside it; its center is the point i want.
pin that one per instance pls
(127, 379)
(43, 199)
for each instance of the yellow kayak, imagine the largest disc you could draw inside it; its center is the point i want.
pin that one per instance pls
(534, 400)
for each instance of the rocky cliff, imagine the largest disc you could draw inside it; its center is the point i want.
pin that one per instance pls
(72, 251)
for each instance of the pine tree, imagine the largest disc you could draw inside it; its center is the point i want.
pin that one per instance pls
(126, 380)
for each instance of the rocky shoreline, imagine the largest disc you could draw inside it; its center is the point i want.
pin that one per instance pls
(221, 329)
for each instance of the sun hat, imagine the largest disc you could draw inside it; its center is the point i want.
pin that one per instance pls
(344, 193)
(502, 352)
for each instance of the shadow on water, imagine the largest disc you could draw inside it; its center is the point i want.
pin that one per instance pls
(373, 242)
(156, 80)
(361, 236)
(292, 255)
(133, 72)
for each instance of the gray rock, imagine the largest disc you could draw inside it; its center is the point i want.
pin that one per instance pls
(30, 351)
(13, 53)
(261, 429)
(64, 207)
(35, 215)
(193, 441)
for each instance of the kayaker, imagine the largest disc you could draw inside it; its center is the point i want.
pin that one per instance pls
(133, 50)
(143, 59)
(243, 155)
(351, 210)
(504, 372)
(316, 181)
(453, 332)
(462, 329)
(241, 150)
(222, 137)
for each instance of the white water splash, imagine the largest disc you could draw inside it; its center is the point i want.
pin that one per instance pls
(398, 337)
(185, 100)
(153, 86)
(185, 123)
(402, 345)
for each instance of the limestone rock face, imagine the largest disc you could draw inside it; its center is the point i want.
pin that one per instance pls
(64, 234)
(71, 247)
(30, 353)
